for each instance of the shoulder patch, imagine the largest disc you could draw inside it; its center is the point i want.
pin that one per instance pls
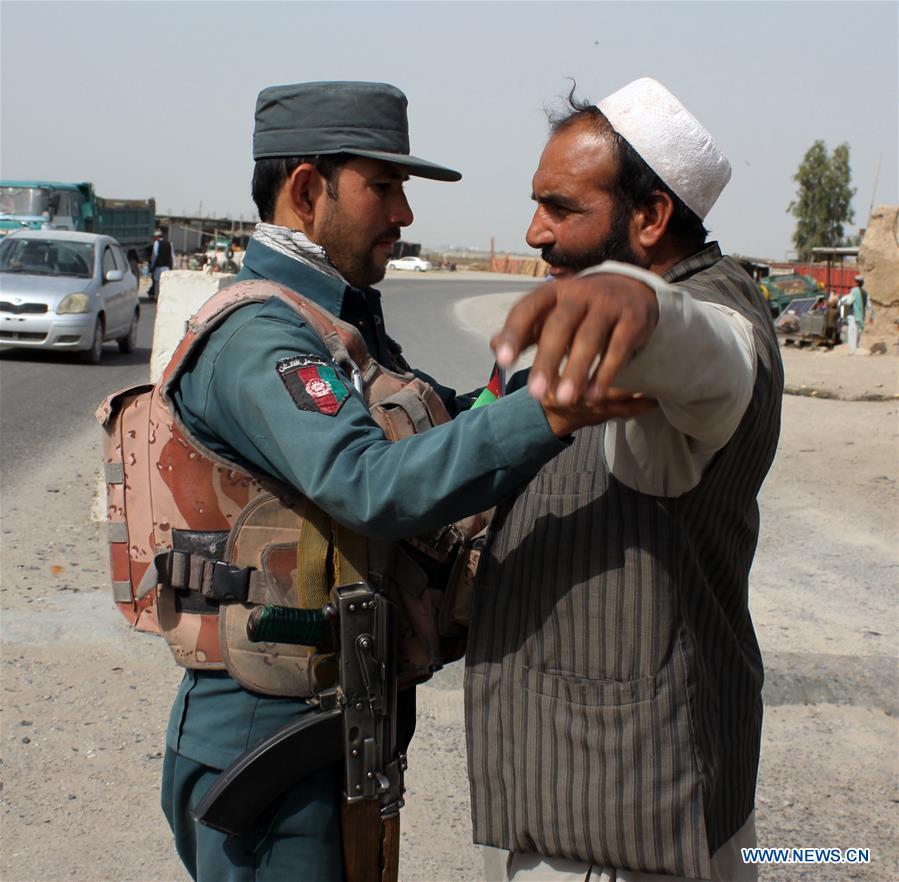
(313, 383)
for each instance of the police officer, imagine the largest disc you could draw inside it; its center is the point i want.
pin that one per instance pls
(331, 161)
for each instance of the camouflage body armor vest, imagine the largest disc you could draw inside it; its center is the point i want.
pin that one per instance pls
(197, 542)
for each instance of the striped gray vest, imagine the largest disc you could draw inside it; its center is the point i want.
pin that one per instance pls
(613, 679)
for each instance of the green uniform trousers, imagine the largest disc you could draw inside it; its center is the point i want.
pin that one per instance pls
(299, 841)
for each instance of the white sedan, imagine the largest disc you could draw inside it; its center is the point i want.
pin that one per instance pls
(414, 264)
(65, 290)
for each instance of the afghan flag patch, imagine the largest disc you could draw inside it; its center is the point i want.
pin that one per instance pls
(313, 384)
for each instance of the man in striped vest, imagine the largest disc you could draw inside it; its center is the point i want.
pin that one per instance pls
(613, 681)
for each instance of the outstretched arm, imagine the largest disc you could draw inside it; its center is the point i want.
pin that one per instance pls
(697, 359)
(271, 394)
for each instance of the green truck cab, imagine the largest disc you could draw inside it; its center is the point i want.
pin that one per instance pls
(780, 290)
(39, 205)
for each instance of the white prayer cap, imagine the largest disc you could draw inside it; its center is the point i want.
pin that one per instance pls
(670, 140)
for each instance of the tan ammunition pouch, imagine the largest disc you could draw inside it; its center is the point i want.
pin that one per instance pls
(301, 553)
(225, 541)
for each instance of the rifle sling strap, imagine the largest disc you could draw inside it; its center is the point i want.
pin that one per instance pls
(320, 538)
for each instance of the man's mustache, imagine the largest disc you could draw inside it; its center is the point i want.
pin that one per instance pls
(554, 257)
(391, 235)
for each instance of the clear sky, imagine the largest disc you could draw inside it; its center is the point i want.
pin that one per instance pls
(156, 99)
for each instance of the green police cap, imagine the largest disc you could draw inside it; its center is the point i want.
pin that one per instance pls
(364, 119)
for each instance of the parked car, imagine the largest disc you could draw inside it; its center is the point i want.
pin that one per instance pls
(415, 264)
(66, 290)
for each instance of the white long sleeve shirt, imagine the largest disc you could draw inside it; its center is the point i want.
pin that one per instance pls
(700, 365)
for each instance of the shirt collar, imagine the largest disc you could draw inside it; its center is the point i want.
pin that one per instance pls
(325, 290)
(708, 256)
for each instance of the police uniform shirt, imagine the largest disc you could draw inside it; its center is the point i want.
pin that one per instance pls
(237, 403)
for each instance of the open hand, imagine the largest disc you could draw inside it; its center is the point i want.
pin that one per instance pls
(602, 315)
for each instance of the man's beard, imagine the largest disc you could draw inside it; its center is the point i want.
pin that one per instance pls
(365, 267)
(359, 266)
(615, 246)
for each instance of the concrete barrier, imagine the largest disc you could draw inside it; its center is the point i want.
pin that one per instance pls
(181, 294)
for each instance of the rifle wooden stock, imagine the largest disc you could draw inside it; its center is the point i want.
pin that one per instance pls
(361, 825)
(371, 844)
(390, 849)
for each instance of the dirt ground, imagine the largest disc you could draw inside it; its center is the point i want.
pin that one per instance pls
(84, 701)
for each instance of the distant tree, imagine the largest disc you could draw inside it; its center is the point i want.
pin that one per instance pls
(823, 200)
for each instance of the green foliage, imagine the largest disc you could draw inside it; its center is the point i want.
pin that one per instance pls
(823, 200)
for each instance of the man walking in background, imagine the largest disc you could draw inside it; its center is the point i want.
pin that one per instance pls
(162, 258)
(858, 302)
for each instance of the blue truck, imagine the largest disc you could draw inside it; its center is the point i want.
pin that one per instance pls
(52, 205)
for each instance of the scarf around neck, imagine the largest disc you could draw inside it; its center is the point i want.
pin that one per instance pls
(297, 246)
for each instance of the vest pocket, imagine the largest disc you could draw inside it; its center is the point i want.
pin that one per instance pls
(572, 689)
(599, 770)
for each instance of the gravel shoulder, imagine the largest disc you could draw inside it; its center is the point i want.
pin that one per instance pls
(84, 701)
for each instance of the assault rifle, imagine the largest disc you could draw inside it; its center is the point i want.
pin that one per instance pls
(355, 720)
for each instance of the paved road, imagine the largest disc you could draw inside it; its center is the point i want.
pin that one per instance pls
(422, 315)
(47, 397)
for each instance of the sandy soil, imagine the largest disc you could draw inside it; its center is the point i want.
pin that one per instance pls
(84, 702)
